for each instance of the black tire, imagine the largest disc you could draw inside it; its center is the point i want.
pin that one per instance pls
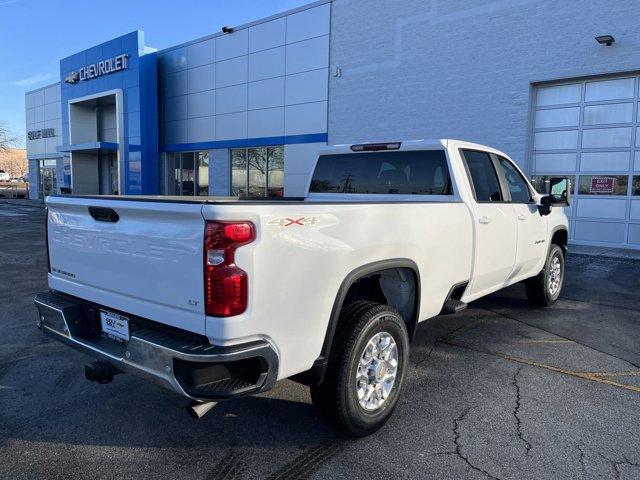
(538, 288)
(336, 398)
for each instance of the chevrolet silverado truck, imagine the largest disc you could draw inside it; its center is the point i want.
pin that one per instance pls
(218, 298)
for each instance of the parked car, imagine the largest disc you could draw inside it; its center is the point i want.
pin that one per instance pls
(4, 176)
(218, 299)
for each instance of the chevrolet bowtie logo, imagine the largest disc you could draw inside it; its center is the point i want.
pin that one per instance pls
(73, 78)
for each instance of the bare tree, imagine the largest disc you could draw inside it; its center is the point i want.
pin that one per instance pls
(7, 139)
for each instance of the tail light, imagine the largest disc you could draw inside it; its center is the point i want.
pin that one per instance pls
(225, 284)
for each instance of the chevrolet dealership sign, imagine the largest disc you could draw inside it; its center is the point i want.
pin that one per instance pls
(95, 70)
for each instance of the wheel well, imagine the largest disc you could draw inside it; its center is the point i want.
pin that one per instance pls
(394, 282)
(395, 287)
(561, 238)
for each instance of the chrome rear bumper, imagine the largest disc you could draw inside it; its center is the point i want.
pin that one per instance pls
(195, 370)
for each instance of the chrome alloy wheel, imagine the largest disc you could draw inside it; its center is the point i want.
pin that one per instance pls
(555, 276)
(377, 370)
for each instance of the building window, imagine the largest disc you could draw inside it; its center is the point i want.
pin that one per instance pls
(186, 174)
(541, 182)
(635, 188)
(603, 185)
(47, 178)
(257, 172)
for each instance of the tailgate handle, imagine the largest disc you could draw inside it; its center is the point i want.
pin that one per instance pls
(101, 214)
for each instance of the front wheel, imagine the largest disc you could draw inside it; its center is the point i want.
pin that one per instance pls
(544, 289)
(366, 369)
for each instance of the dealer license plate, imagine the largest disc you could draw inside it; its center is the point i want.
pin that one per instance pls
(115, 326)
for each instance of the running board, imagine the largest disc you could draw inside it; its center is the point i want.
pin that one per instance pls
(451, 307)
(453, 304)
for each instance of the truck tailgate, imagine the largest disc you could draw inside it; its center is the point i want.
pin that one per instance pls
(148, 263)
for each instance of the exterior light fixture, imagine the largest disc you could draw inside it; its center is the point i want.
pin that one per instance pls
(607, 40)
(226, 29)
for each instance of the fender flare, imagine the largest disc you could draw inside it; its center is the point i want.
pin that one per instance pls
(555, 230)
(316, 374)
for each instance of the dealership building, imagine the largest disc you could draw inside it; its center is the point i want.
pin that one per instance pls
(244, 111)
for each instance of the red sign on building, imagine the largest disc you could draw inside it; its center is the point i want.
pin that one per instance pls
(602, 184)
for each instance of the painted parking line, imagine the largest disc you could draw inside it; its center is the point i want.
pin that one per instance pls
(534, 342)
(11, 214)
(598, 378)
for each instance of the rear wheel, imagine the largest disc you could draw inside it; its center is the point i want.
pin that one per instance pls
(544, 289)
(366, 369)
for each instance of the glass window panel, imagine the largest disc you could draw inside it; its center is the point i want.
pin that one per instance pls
(610, 89)
(606, 137)
(603, 185)
(203, 173)
(187, 174)
(604, 114)
(483, 175)
(636, 162)
(540, 183)
(239, 172)
(170, 172)
(257, 158)
(604, 162)
(635, 186)
(558, 117)
(408, 173)
(275, 157)
(555, 162)
(562, 140)
(559, 94)
(517, 184)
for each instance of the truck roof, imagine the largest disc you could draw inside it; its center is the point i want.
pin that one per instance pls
(423, 144)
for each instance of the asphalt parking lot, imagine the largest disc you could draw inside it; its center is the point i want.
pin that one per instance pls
(500, 391)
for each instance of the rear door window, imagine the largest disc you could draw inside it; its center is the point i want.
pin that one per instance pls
(483, 176)
(421, 172)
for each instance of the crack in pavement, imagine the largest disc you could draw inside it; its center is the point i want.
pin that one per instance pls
(458, 446)
(516, 411)
(583, 466)
(616, 465)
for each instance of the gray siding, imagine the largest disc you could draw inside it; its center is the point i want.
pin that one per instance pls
(464, 68)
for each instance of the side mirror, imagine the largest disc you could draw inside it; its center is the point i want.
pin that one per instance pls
(560, 191)
(545, 205)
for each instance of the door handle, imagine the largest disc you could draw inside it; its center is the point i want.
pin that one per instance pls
(484, 220)
(522, 217)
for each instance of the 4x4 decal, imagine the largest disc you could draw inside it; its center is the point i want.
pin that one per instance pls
(283, 222)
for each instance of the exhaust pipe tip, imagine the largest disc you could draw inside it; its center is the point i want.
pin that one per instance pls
(198, 410)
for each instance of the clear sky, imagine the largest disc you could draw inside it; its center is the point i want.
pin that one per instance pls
(36, 34)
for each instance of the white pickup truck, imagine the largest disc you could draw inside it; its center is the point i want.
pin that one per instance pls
(217, 298)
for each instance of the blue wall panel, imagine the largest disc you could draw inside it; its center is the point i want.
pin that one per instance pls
(139, 86)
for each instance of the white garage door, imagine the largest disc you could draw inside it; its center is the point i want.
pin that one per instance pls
(591, 130)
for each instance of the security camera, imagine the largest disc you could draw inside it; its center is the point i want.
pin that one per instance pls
(226, 29)
(607, 40)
